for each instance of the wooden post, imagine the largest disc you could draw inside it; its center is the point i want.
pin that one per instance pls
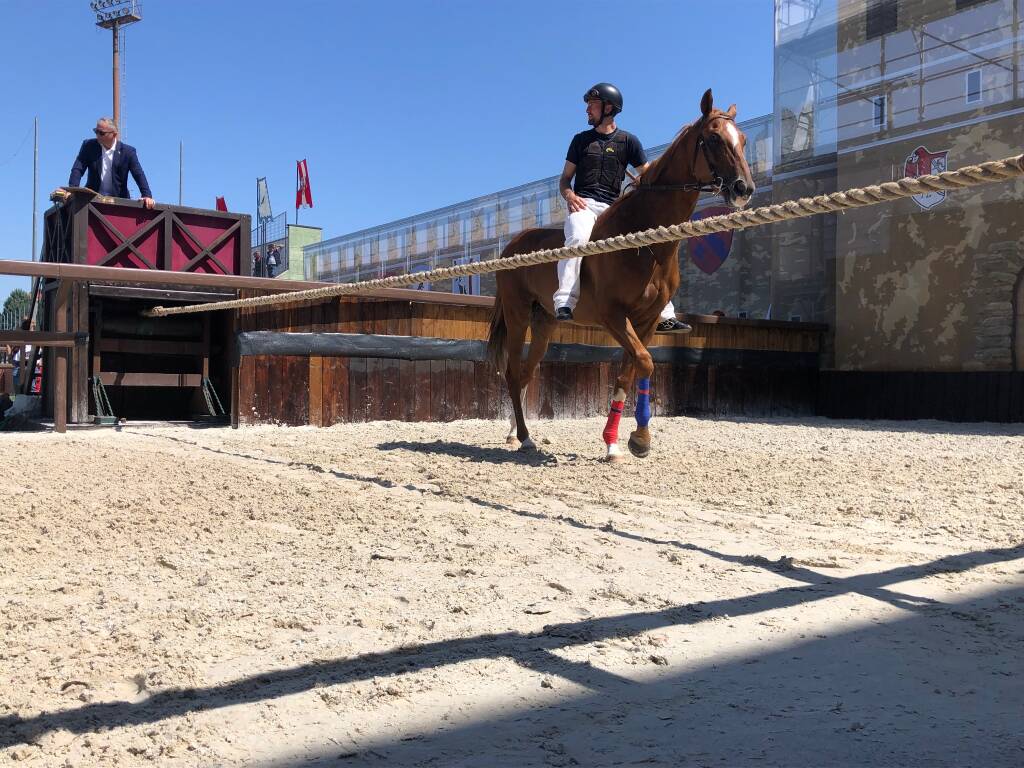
(79, 355)
(206, 345)
(60, 381)
(232, 350)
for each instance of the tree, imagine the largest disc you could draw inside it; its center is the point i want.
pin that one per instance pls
(18, 302)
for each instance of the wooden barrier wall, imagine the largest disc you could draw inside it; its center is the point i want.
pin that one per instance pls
(742, 366)
(963, 396)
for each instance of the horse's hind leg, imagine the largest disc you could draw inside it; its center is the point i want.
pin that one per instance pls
(517, 384)
(542, 325)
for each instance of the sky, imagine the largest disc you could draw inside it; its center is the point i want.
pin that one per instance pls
(399, 107)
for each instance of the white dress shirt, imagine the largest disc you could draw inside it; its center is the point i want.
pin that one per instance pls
(106, 170)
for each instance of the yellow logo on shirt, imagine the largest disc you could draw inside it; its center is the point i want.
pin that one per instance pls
(610, 149)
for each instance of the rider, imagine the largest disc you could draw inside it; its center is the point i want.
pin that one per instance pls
(598, 159)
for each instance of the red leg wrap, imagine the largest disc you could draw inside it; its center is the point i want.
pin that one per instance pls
(611, 427)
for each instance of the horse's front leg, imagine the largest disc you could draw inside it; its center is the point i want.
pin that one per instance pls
(640, 438)
(636, 361)
(611, 428)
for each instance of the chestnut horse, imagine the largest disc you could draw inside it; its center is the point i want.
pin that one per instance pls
(626, 290)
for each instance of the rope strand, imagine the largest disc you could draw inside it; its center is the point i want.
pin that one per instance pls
(968, 176)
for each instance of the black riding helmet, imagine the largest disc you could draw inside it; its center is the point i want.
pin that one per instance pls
(608, 94)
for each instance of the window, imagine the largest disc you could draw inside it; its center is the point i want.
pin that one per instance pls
(543, 210)
(879, 110)
(880, 18)
(974, 86)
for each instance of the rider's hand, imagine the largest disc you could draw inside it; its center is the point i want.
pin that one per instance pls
(575, 202)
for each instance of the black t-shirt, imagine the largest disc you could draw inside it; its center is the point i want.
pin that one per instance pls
(588, 144)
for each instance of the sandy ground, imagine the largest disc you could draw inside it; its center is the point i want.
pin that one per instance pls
(754, 593)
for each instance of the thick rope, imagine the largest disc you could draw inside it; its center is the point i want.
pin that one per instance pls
(968, 176)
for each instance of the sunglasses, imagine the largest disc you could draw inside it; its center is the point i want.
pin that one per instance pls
(98, 132)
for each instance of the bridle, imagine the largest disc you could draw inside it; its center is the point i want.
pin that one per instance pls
(714, 186)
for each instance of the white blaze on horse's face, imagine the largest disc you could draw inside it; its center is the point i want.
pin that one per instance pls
(739, 192)
(733, 134)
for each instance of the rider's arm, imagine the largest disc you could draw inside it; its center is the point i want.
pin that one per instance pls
(565, 182)
(574, 202)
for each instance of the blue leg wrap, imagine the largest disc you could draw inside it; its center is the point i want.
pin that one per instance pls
(643, 402)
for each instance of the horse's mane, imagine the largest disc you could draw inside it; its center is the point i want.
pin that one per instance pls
(665, 159)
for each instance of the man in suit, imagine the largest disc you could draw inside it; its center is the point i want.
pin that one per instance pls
(109, 161)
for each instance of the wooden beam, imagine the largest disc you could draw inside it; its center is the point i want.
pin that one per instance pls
(44, 338)
(376, 346)
(124, 275)
(117, 379)
(149, 346)
(158, 294)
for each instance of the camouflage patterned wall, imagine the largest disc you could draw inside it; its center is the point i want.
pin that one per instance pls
(931, 288)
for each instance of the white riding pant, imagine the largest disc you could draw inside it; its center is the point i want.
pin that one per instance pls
(578, 227)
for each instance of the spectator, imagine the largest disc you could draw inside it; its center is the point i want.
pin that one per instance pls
(257, 264)
(273, 259)
(108, 163)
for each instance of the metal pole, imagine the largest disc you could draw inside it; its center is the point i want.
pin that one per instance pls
(117, 79)
(35, 188)
(181, 168)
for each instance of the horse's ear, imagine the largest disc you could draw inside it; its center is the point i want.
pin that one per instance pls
(731, 112)
(706, 103)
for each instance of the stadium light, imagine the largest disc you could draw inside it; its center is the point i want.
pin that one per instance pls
(112, 15)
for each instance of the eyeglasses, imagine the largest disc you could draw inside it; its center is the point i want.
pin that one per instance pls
(98, 132)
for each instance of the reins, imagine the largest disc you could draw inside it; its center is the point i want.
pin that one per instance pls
(714, 186)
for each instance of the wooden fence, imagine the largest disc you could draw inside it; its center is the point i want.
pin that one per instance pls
(359, 359)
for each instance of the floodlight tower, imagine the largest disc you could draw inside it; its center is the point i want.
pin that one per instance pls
(112, 15)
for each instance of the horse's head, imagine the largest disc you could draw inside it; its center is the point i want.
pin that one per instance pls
(718, 159)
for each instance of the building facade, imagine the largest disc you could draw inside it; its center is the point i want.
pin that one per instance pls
(478, 229)
(864, 91)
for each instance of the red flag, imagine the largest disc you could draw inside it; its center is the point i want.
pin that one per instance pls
(303, 194)
(221, 205)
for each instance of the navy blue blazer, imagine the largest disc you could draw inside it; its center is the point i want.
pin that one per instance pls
(126, 160)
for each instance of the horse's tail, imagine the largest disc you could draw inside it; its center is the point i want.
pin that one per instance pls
(497, 352)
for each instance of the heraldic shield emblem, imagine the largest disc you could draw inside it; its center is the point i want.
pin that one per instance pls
(921, 162)
(710, 251)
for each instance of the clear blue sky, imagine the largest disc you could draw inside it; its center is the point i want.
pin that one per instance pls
(399, 106)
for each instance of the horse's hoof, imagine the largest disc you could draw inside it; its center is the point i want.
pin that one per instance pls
(527, 445)
(511, 440)
(639, 443)
(614, 455)
(639, 448)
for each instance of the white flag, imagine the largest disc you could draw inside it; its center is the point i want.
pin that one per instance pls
(263, 199)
